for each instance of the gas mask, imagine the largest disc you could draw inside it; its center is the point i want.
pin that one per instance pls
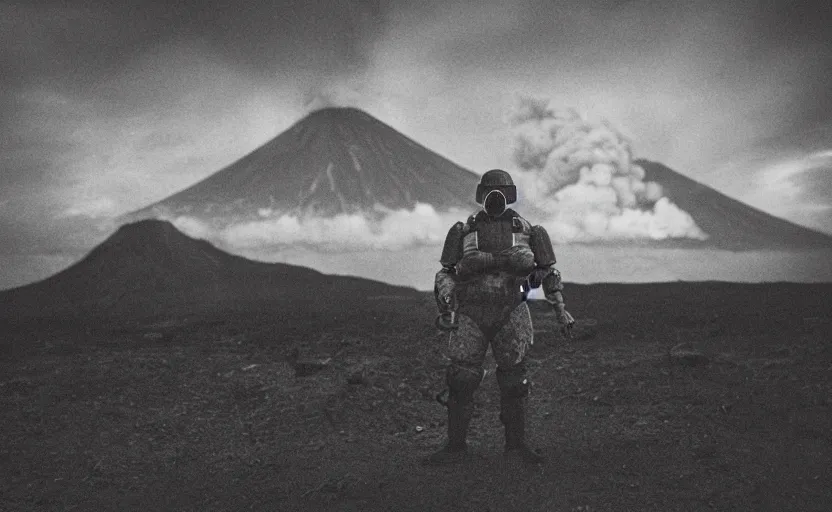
(494, 203)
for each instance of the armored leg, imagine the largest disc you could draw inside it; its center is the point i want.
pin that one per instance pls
(514, 388)
(462, 382)
(509, 345)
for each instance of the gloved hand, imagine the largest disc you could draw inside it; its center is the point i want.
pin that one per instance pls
(475, 263)
(515, 260)
(447, 319)
(565, 320)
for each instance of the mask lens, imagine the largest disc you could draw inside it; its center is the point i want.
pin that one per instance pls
(494, 203)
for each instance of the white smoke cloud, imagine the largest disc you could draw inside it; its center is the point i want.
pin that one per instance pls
(575, 177)
(578, 177)
(398, 229)
(335, 94)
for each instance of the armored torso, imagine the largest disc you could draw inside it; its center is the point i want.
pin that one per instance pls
(493, 235)
(496, 259)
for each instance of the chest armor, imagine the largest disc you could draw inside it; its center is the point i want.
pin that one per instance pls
(495, 235)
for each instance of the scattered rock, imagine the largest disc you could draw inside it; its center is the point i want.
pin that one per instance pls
(305, 367)
(356, 378)
(776, 363)
(309, 367)
(814, 321)
(686, 355)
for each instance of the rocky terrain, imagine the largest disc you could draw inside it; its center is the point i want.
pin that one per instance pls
(675, 396)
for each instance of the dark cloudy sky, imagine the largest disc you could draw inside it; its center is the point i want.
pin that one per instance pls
(107, 107)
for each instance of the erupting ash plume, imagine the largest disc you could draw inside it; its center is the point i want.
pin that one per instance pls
(340, 180)
(579, 177)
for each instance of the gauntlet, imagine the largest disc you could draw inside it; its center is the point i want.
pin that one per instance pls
(553, 288)
(443, 291)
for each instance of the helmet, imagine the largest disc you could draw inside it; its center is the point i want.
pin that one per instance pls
(496, 179)
(496, 190)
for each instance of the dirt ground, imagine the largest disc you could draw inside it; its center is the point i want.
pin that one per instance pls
(706, 396)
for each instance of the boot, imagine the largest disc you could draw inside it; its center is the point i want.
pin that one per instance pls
(513, 416)
(460, 409)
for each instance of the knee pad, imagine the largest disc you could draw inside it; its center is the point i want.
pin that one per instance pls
(513, 381)
(463, 379)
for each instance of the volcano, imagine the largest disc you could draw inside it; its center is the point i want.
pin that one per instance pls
(333, 161)
(730, 224)
(344, 161)
(149, 268)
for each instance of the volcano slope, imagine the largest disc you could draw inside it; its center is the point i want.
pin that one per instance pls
(730, 224)
(679, 396)
(149, 269)
(333, 161)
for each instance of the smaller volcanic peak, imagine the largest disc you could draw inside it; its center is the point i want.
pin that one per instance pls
(333, 161)
(150, 268)
(154, 244)
(149, 230)
(731, 224)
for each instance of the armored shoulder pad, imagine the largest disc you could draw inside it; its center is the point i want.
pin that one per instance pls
(520, 225)
(544, 253)
(452, 250)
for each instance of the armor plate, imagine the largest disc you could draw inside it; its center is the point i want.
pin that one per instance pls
(452, 250)
(544, 253)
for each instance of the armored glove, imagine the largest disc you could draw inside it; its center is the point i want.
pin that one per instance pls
(516, 260)
(549, 278)
(565, 320)
(446, 303)
(447, 320)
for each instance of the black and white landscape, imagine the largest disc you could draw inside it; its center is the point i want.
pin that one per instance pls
(281, 388)
(341, 182)
(148, 269)
(342, 161)
(220, 224)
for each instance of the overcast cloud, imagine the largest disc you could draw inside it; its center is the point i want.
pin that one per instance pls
(108, 108)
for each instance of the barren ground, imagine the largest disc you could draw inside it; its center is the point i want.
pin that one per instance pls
(706, 396)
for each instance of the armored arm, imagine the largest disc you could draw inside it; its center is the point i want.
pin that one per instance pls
(443, 289)
(547, 276)
(445, 281)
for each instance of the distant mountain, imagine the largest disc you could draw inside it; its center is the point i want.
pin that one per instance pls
(149, 268)
(730, 224)
(335, 160)
(343, 160)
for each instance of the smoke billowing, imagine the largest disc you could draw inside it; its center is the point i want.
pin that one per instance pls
(574, 176)
(578, 178)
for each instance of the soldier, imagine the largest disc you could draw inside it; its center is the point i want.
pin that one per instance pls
(489, 263)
